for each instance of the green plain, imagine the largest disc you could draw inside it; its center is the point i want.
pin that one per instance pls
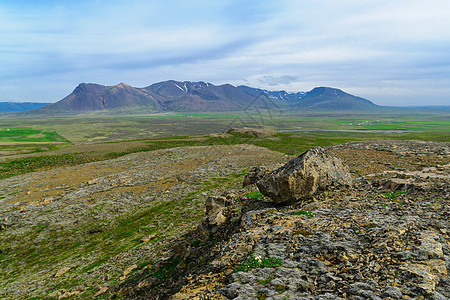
(57, 141)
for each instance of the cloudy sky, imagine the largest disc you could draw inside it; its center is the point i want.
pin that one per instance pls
(391, 52)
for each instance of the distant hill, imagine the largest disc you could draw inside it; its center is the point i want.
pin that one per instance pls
(95, 97)
(196, 96)
(326, 98)
(6, 107)
(319, 98)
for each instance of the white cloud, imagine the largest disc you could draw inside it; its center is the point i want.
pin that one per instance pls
(368, 46)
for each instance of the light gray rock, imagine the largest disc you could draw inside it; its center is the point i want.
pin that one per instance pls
(215, 207)
(392, 292)
(363, 290)
(303, 176)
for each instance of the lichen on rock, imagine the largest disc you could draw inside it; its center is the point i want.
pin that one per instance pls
(303, 176)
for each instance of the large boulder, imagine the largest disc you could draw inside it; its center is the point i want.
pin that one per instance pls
(301, 177)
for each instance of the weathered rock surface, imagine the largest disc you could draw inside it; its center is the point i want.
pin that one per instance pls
(218, 211)
(303, 176)
(362, 242)
(373, 240)
(255, 174)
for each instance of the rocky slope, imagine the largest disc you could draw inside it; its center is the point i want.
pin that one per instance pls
(84, 230)
(177, 224)
(384, 237)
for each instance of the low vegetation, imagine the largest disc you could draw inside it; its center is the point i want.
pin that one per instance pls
(293, 143)
(253, 195)
(29, 135)
(31, 164)
(257, 262)
(94, 241)
(393, 194)
(304, 213)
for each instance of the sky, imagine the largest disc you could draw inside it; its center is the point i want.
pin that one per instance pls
(390, 52)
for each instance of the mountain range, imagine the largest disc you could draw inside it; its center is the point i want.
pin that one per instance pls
(20, 106)
(198, 96)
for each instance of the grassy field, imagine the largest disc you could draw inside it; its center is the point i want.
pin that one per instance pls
(29, 135)
(45, 143)
(98, 128)
(21, 140)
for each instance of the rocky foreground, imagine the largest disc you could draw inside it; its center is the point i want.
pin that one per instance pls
(371, 222)
(81, 232)
(383, 236)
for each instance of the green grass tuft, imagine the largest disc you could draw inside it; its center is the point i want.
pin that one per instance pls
(253, 263)
(253, 195)
(393, 194)
(304, 213)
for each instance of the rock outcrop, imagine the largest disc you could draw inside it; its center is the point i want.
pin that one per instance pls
(217, 211)
(358, 242)
(258, 132)
(303, 176)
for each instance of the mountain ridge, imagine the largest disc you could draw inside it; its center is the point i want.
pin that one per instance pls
(11, 106)
(198, 96)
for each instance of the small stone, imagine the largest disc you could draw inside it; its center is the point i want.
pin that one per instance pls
(421, 273)
(437, 267)
(229, 195)
(376, 268)
(129, 270)
(439, 296)
(55, 294)
(46, 200)
(215, 207)
(70, 294)
(148, 238)
(392, 292)
(62, 271)
(101, 291)
(361, 289)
